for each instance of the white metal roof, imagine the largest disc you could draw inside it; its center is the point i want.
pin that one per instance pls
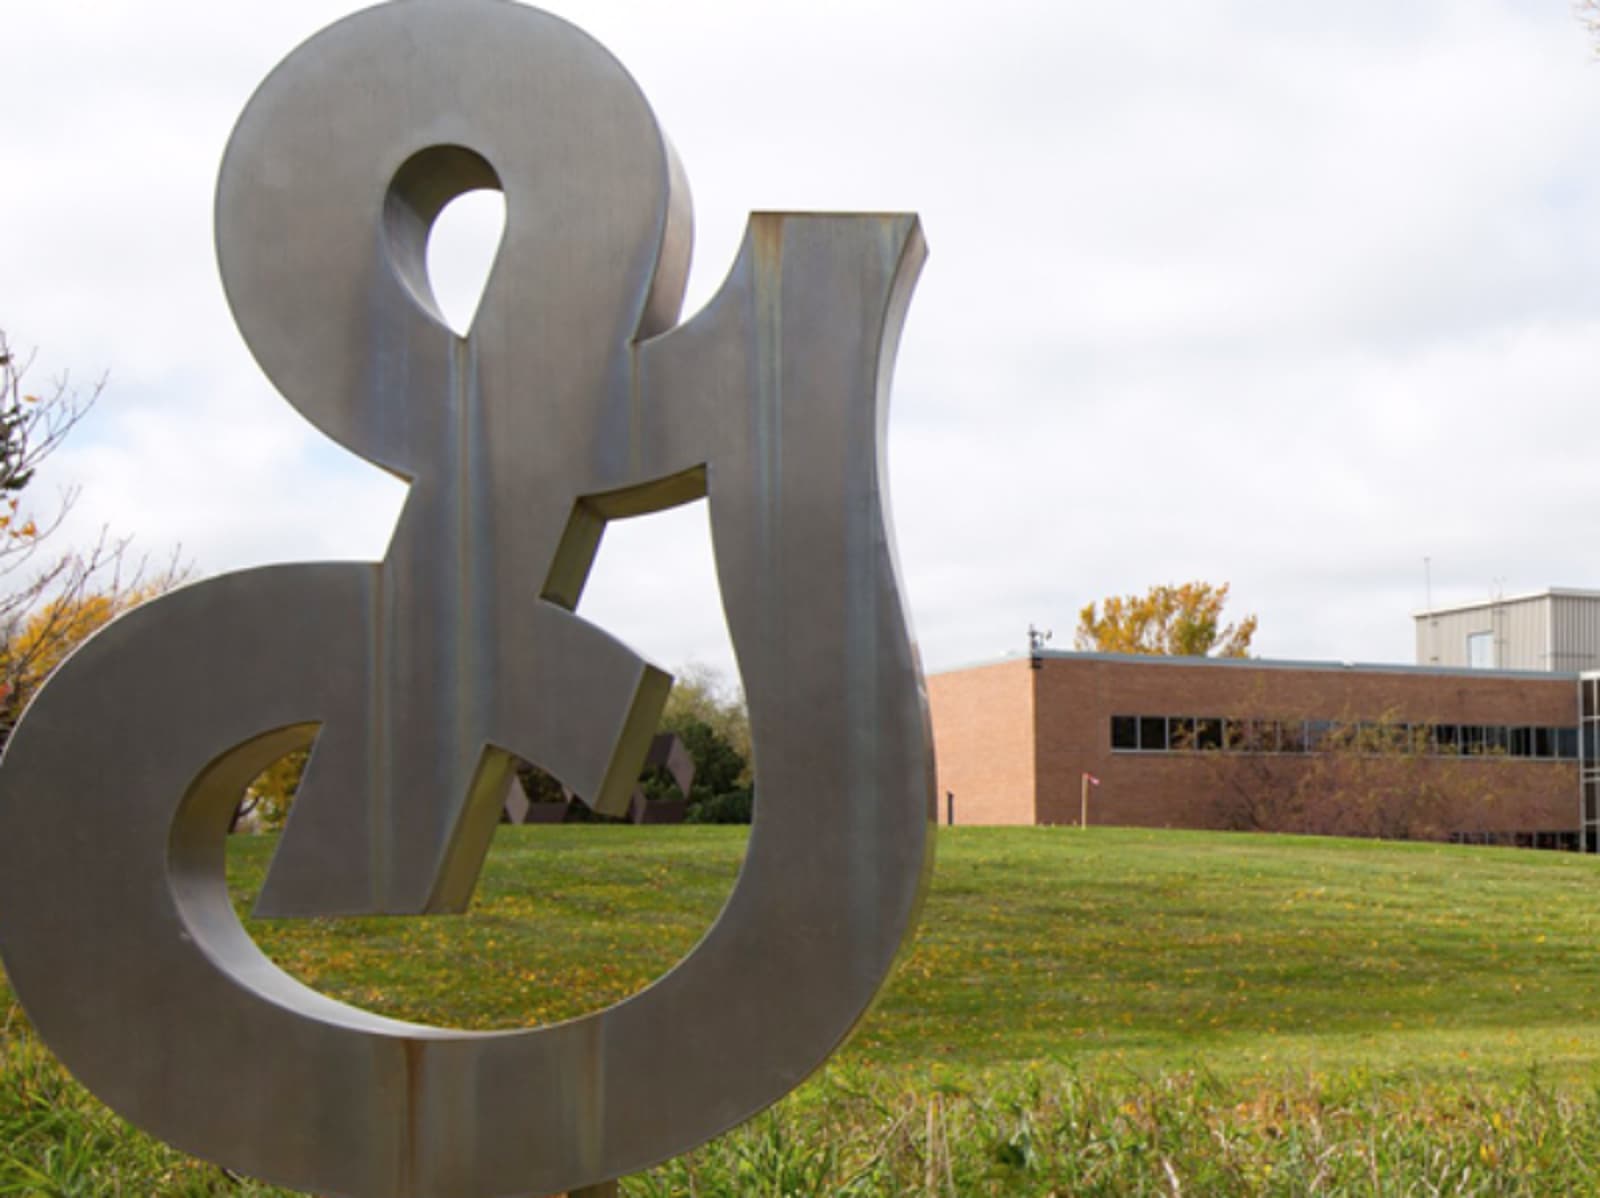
(1528, 597)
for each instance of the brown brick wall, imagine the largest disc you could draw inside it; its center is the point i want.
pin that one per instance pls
(1076, 697)
(983, 740)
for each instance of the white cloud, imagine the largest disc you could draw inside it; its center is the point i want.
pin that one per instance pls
(1281, 293)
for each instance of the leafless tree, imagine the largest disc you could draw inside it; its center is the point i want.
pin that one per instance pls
(1346, 777)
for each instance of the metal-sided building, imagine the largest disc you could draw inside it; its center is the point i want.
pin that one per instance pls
(1555, 630)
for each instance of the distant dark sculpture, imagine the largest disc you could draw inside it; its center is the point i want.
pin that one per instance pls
(667, 751)
(517, 804)
(574, 399)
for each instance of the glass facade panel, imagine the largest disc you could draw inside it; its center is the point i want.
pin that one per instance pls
(1589, 760)
(1544, 742)
(1566, 743)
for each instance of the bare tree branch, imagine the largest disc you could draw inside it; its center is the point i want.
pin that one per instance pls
(50, 602)
(1588, 12)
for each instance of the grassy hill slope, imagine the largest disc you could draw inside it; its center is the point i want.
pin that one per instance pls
(1244, 955)
(1114, 1011)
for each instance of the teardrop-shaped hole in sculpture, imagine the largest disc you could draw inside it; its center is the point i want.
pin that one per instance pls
(459, 260)
(462, 246)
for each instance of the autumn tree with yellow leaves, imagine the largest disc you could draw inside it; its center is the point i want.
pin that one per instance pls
(1170, 620)
(266, 802)
(49, 633)
(50, 601)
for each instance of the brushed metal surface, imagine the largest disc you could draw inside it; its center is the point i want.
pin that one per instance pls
(574, 399)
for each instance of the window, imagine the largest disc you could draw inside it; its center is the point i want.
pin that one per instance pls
(1480, 650)
(1321, 734)
(1381, 736)
(1266, 736)
(1566, 743)
(1192, 734)
(1544, 742)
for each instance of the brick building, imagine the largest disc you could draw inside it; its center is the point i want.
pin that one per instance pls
(1470, 754)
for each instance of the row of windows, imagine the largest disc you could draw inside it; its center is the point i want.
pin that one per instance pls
(1182, 733)
(1563, 840)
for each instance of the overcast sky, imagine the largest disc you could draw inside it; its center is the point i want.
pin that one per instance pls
(1288, 295)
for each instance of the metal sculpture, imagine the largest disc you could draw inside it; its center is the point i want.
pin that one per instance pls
(573, 400)
(669, 753)
(514, 808)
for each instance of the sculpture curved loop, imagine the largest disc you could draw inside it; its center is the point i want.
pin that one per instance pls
(571, 401)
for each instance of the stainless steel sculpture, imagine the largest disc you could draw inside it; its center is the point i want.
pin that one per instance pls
(573, 400)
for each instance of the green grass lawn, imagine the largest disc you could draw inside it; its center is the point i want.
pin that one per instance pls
(1244, 956)
(1060, 978)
